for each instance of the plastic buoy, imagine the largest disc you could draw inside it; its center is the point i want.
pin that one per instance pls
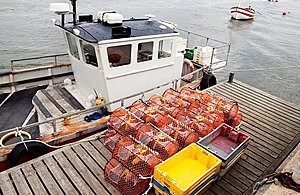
(283, 13)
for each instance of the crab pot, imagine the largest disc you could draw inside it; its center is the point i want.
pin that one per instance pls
(162, 105)
(236, 120)
(200, 124)
(123, 179)
(149, 114)
(230, 109)
(175, 97)
(225, 143)
(190, 171)
(125, 122)
(111, 138)
(136, 157)
(157, 141)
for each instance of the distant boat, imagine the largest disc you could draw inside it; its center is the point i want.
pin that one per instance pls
(240, 13)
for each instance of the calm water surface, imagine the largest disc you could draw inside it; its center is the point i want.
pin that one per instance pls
(270, 41)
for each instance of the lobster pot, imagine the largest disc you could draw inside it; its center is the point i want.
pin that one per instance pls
(181, 133)
(125, 122)
(111, 138)
(123, 179)
(210, 113)
(157, 140)
(189, 171)
(199, 124)
(230, 109)
(236, 120)
(227, 144)
(161, 104)
(149, 114)
(136, 157)
(175, 97)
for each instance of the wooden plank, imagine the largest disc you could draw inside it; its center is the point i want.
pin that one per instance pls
(265, 102)
(235, 182)
(256, 157)
(6, 185)
(265, 149)
(259, 105)
(267, 142)
(209, 192)
(264, 94)
(101, 148)
(252, 161)
(92, 165)
(250, 167)
(278, 161)
(242, 178)
(260, 112)
(72, 173)
(256, 130)
(20, 182)
(215, 188)
(264, 155)
(248, 174)
(95, 154)
(85, 173)
(47, 178)
(230, 188)
(33, 180)
(65, 183)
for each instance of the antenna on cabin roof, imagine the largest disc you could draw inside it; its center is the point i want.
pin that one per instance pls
(60, 9)
(74, 11)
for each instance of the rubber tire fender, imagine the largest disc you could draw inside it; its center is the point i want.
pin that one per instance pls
(19, 150)
(207, 80)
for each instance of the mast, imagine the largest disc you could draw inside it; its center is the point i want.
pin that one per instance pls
(74, 11)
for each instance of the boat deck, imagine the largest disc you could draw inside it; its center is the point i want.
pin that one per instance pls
(272, 123)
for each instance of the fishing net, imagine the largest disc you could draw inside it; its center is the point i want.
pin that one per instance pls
(123, 179)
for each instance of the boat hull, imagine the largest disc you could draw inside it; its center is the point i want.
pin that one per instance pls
(239, 13)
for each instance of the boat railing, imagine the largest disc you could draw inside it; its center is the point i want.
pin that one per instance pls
(38, 59)
(220, 49)
(175, 84)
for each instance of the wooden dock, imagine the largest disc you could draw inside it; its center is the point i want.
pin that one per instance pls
(272, 123)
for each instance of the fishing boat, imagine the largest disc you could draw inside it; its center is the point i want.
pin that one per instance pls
(242, 13)
(113, 63)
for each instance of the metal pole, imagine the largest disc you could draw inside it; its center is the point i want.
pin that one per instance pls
(55, 60)
(12, 65)
(227, 57)
(188, 40)
(74, 11)
(206, 41)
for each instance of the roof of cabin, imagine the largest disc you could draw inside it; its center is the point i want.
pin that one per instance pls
(97, 31)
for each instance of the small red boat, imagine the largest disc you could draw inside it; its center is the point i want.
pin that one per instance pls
(240, 13)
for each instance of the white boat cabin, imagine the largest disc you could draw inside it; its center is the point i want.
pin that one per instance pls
(118, 58)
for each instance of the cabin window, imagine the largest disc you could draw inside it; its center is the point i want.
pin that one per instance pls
(119, 55)
(165, 48)
(89, 53)
(145, 51)
(72, 46)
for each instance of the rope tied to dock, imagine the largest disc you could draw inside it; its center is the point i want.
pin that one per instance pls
(285, 179)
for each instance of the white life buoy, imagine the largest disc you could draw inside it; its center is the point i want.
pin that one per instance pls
(187, 68)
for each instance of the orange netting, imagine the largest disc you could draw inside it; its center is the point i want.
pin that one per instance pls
(157, 140)
(136, 157)
(230, 109)
(111, 138)
(123, 179)
(178, 131)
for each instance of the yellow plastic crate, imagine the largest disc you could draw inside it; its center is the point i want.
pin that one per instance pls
(189, 171)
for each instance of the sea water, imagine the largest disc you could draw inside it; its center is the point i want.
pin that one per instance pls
(261, 49)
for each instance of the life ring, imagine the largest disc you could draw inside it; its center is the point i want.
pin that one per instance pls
(187, 68)
(7, 136)
(22, 153)
(207, 80)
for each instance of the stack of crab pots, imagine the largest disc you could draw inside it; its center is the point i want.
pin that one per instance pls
(147, 133)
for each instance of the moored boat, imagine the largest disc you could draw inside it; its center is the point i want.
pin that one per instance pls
(242, 13)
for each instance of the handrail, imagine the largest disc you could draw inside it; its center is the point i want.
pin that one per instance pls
(35, 58)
